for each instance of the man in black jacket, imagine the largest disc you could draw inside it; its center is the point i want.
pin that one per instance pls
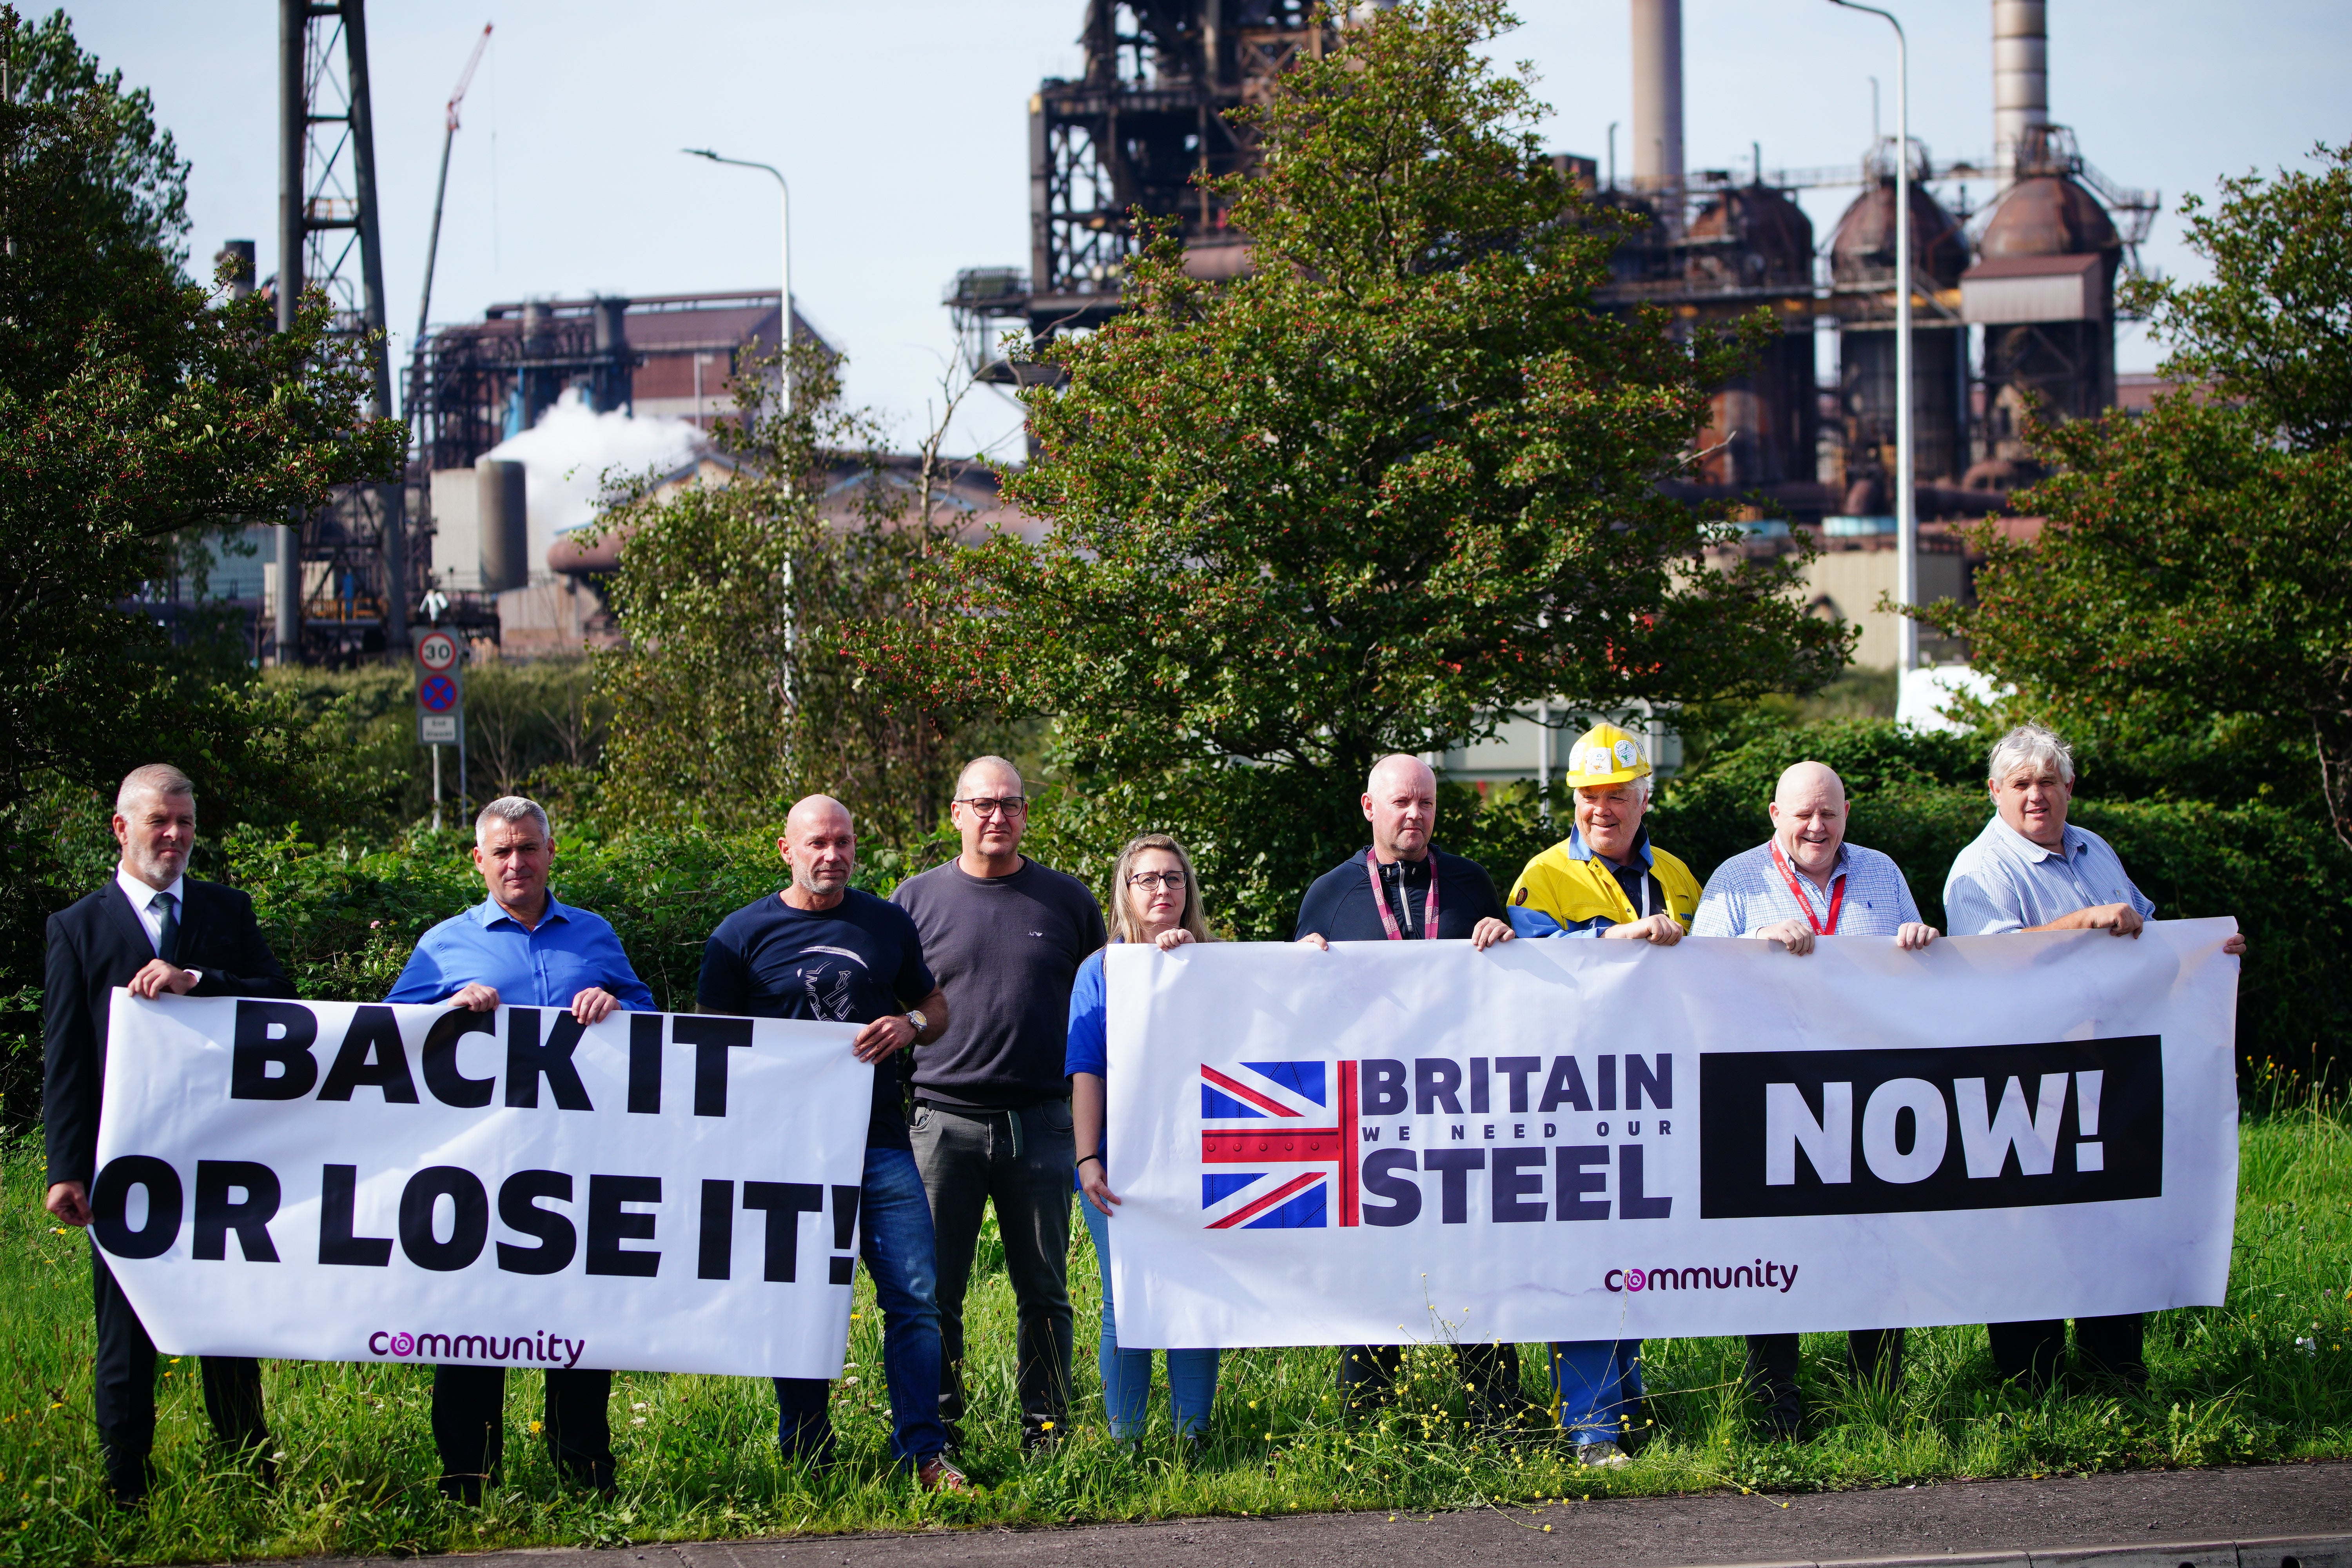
(156, 933)
(1406, 889)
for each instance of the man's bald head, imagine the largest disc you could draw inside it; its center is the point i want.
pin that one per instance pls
(1801, 781)
(1401, 803)
(988, 778)
(1400, 768)
(810, 811)
(820, 844)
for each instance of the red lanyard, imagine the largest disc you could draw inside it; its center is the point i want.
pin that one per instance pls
(1837, 895)
(1380, 898)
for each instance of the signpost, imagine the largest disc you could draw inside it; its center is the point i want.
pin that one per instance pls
(441, 706)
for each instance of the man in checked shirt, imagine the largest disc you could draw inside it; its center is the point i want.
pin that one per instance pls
(1806, 881)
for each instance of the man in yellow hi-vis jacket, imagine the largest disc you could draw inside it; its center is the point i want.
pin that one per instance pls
(1603, 881)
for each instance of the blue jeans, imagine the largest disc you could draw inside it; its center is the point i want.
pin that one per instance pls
(894, 1231)
(1127, 1374)
(1598, 1383)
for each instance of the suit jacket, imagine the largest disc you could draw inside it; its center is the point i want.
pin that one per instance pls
(99, 944)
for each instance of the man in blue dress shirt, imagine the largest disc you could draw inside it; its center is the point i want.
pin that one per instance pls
(2030, 869)
(1804, 882)
(520, 947)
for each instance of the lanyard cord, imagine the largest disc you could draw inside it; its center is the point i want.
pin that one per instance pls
(1380, 898)
(1837, 895)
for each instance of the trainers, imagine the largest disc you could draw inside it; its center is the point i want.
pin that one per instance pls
(1601, 1455)
(936, 1474)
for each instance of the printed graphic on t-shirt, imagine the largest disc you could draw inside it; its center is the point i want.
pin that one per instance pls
(826, 982)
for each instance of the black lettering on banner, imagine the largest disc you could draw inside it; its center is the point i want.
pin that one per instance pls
(1454, 1186)
(1403, 1196)
(337, 1209)
(218, 1213)
(1434, 1082)
(373, 1056)
(1565, 1087)
(254, 1050)
(842, 1271)
(1583, 1168)
(609, 1225)
(1915, 1132)
(1631, 1202)
(470, 1224)
(1512, 1187)
(1607, 1078)
(714, 1256)
(1518, 1069)
(450, 1086)
(1380, 1085)
(519, 1211)
(109, 1205)
(785, 1203)
(1478, 1088)
(528, 1061)
(711, 1039)
(646, 1072)
(1657, 1080)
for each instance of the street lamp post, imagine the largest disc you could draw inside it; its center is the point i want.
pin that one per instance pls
(1906, 521)
(783, 388)
(785, 327)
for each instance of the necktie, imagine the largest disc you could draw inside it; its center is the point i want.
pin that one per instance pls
(167, 935)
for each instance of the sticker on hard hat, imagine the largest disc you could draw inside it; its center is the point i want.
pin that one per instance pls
(1627, 753)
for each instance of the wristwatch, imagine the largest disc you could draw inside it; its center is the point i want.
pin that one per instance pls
(915, 1016)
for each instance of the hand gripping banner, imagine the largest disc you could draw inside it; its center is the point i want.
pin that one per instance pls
(1575, 1140)
(336, 1182)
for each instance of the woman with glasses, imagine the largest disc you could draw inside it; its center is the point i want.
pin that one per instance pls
(1156, 899)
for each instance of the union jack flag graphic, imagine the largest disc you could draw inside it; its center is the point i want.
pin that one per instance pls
(1278, 1145)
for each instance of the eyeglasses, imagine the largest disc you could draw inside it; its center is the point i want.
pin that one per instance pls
(1006, 805)
(1171, 880)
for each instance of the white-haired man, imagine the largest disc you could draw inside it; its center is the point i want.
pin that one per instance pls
(2029, 871)
(1604, 880)
(155, 932)
(1405, 887)
(1808, 881)
(520, 947)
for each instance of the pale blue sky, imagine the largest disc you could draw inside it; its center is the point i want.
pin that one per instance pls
(903, 127)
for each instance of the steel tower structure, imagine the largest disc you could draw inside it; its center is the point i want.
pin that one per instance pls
(329, 238)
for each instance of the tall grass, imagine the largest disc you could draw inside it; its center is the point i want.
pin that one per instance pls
(2265, 1377)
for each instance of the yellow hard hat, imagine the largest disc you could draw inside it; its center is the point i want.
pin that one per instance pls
(1604, 754)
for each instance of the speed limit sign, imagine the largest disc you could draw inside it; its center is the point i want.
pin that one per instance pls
(437, 652)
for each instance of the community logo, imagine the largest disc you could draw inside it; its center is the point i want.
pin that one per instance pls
(1760, 1275)
(539, 1347)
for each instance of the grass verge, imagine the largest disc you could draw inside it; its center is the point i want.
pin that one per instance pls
(2265, 1377)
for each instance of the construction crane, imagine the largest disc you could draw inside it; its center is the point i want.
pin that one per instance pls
(441, 188)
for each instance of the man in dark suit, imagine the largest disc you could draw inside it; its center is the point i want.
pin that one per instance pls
(155, 932)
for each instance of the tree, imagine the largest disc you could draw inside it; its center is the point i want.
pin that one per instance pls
(2197, 562)
(733, 696)
(1397, 482)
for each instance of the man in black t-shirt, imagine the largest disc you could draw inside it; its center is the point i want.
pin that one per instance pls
(822, 950)
(1005, 935)
(1383, 894)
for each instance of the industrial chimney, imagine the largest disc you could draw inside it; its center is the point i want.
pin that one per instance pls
(1658, 93)
(2021, 77)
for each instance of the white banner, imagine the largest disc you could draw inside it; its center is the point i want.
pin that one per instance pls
(336, 1182)
(1566, 1139)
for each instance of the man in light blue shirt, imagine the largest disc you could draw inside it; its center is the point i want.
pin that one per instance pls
(2030, 870)
(520, 947)
(1807, 882)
